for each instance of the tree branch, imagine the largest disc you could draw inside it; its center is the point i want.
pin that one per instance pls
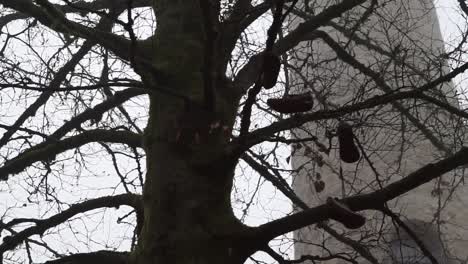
(374, 200)
(247, 75)
(411, 233)
(49, 149)
(283, 186)
(101, 257)
(353, 62)
(59, 77)
(52, 17)
(41, 226)
(81, 7)
(93, 113)
(259, 135)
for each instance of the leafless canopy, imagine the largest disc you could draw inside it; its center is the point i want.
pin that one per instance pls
(126, 123)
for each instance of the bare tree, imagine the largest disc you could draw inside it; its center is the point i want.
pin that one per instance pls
(175, 95)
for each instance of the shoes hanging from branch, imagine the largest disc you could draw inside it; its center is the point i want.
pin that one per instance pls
(290, 104)
(349, 152)
(271, 69)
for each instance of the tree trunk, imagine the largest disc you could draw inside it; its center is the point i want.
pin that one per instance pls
(188, 216)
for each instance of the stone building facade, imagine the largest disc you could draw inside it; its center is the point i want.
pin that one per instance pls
(401, 43)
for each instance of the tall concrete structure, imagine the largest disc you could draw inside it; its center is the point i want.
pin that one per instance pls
(400, 41)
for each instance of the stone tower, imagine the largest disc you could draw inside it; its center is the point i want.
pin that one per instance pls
(401, 43)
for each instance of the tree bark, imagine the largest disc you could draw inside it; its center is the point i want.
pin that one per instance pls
(188, 216)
